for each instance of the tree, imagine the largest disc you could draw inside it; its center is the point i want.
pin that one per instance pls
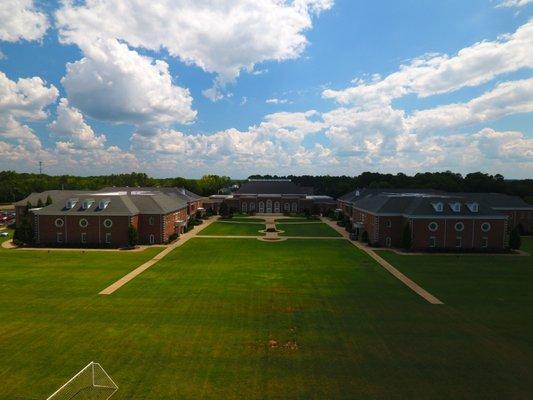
(133, 236)
(40, 204)
(24, 232)
(28, 206)
(224, 210)
(364, 237)
(514, 240)
(48, 200)
(406, 237)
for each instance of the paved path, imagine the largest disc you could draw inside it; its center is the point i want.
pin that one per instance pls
(185, 237)
(385, 264)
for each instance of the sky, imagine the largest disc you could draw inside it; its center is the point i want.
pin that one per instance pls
(242, 87)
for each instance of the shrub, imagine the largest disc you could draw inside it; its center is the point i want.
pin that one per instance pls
(24, 233)
(364, 237)
(173, 237)
(271, 230)
(406, 237)
(515, 241)
(133, 236)
(48, 200)
(40, 203)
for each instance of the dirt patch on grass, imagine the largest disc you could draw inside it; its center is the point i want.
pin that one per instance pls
(273, 344)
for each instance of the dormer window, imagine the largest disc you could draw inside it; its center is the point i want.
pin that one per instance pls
(456, 207)
(102, 205)
(71, 203)
(357, 193)
(439, 207)
(473, 207)
(87, 204)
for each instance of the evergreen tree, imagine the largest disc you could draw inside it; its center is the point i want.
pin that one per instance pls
(406, 237)
(364, 237)
(48, 200)
(40, 203)
(514, 240)
(24, 232)
(133, 236)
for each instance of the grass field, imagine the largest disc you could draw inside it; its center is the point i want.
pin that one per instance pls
(244, 219)
(228, 228)
(244, 319)
(310, 230)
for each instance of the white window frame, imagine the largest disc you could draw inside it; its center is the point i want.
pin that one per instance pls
(388, 241)
(59, 237)
(252, 206)
(435, 224)
(456, 207)
(277, 208)
(484, 242)
(287, 207)
(83, 223)
(432, 241)
(261, 207)
(388, 224)
(244, 207)
(459, 227)
(151, 221)
(458, 242)
(269, 206)
(294, 207)
(151, 238)
(484, 227)
(83, 237)
(108, 237)
(108, 223)
(59, 222)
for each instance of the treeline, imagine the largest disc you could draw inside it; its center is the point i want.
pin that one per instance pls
(16, 186)
(336, 186)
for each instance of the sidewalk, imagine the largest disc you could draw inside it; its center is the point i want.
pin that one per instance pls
(385, 264)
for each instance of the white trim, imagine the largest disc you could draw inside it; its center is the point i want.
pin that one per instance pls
(459, 226)
(83, 224)
(433, 229)
(488, 229)
(61, 225)
(110, 223)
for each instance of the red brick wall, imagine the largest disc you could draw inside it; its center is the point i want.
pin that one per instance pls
(395, 231)
(46, 231)
(520, 217)
(446, 235)
(146, 229)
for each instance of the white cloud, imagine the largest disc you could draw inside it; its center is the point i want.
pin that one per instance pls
(20, 20)
(509, 146)
(220, 36)
(514, 3)
(70, 125)
(435, 74)
(506, 98)
(277, 101)
(116, 84)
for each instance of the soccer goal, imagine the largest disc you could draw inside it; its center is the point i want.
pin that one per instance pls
(91, 383)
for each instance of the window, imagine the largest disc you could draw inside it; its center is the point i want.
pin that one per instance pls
(108, 238)
(473, 207)
(71, 203)
(84, 237)
(456, 207)
(252, 206)
(108, 223)
(294, 207)
(152, 239)
(102, 205)
(59, 237)
(87, 204)
(439, 207)
(388, 241)
(244, 207)
(485, 227)
(458, 242)
(484, 242)
(432, 241)
(287, 207)
(459, 227)
(269, 206)
(433, 226)
(261, 207)
(276, 207)
(389, 223)
(151, 221)
(83, 223)
(59, 222)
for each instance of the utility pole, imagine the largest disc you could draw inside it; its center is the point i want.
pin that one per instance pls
(40, 167)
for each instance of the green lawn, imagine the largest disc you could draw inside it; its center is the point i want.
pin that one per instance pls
(244, 319)
(231, 229)
(319, 229)
(282, 220)
(244, 219)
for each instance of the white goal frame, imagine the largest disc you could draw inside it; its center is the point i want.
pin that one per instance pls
(91, 366)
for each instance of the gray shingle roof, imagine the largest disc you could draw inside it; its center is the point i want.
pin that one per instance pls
(273, 187)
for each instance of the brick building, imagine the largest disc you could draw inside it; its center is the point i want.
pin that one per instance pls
(274, 196)
(102, 218)
(436, 220)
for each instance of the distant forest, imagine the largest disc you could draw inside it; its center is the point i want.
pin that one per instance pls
(15, 186)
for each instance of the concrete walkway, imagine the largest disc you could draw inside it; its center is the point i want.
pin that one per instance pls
(184, 238)
(385, 264)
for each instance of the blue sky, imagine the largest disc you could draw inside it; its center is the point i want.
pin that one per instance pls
(244, 87)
